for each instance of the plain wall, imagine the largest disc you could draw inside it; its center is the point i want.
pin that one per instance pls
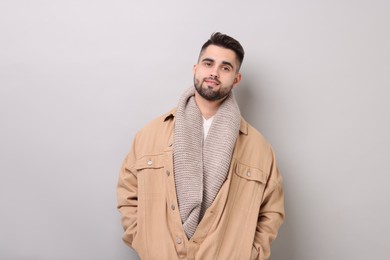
(78, 79)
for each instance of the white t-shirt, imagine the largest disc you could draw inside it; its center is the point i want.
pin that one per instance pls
(206, 126)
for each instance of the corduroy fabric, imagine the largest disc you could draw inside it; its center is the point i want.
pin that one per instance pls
(201, 167)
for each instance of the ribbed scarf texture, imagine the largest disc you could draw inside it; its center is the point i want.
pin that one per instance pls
(201, 167)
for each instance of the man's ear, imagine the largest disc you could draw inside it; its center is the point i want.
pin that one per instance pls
(237, 79)
(194, 69)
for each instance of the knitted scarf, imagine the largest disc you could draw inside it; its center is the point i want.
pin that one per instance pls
(201, 167)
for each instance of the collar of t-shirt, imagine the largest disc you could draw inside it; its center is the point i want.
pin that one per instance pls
(206, 126)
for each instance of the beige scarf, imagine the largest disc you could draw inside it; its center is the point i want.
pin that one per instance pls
(201, 167)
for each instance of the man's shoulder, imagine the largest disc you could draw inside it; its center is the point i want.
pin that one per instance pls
(252, 135)
(156, 134)
(252, 149)
(155, 125)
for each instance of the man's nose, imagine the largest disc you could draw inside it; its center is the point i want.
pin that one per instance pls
(214, 72)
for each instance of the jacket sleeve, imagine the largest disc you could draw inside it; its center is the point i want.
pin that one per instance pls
(127, 192)
(271, 214)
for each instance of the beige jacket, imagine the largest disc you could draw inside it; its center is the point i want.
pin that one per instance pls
(240, 224)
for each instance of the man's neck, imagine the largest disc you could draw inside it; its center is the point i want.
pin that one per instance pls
(207, 108)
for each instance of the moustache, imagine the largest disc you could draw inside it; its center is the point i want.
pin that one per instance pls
(212, 79)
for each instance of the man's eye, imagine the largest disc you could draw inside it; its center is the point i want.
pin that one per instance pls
(226, 68)
(207, 64)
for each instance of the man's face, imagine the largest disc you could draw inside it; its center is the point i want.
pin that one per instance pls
(216, 73)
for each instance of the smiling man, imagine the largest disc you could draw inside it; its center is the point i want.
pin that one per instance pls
(199, 182)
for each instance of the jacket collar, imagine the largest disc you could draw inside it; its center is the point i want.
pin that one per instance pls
(171, 115)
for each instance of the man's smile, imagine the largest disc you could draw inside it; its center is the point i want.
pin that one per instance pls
(212, 82)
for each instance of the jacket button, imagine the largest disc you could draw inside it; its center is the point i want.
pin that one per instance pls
(248, 174)
(168, 173)
(178, 240)
(150, 162)
(173, 207)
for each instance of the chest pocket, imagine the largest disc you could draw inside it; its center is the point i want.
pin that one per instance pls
(150, 170)
(251, 184)
(149, 162)
(250, 173)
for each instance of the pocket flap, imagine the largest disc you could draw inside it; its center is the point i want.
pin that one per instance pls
(149, 162)
(251, 173)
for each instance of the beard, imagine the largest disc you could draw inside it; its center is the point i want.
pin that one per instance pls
(208, 93)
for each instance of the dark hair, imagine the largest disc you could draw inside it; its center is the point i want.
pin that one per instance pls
(225, 41)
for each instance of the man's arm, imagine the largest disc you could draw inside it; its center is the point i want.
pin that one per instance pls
(127, 192)
(271, 213)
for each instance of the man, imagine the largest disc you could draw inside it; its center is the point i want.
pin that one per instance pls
(199, 181)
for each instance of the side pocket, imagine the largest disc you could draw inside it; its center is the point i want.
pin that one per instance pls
(151, 204)
(251, 184)
(254, 254)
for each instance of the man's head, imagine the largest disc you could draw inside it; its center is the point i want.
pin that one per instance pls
(227, 42)
(217, 71)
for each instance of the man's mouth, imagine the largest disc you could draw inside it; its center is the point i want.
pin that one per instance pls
(212, 81)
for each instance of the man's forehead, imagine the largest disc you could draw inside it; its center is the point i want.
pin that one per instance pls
(218, 53)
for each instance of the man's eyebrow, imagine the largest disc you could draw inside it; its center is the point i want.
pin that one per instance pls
(228, 63)
(223, 62)
(208, 59)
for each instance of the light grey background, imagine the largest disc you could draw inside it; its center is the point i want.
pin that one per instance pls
(79, 78)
